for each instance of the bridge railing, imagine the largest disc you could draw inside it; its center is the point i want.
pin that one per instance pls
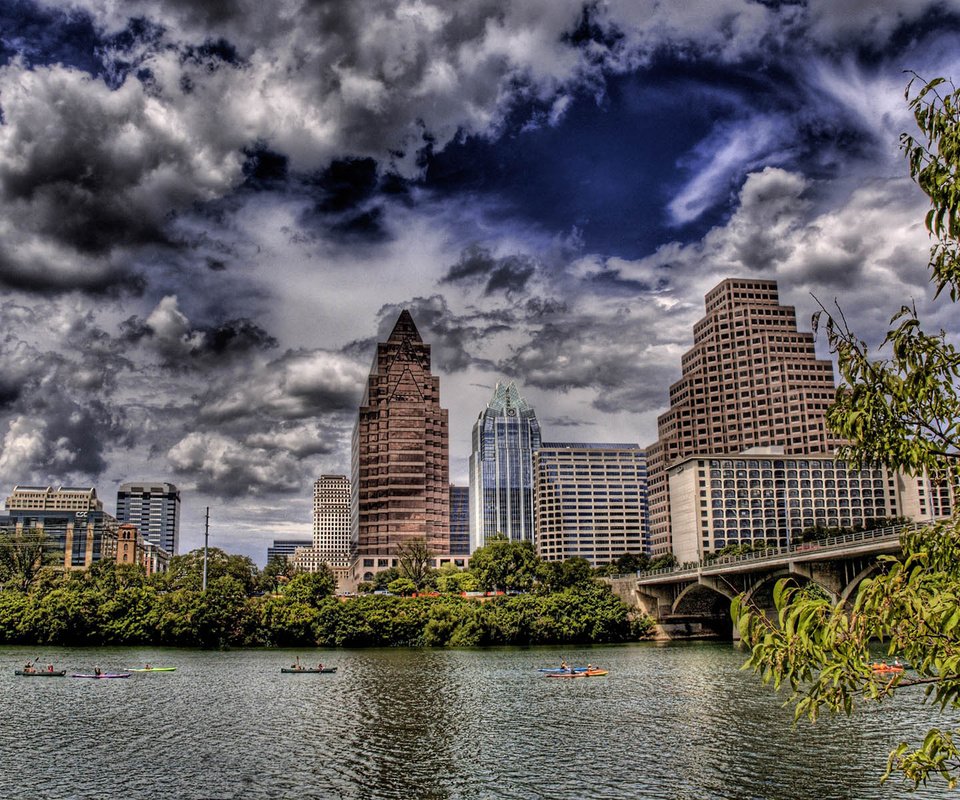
(773, 553)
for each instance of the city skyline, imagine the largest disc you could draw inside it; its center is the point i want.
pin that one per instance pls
(211, 214)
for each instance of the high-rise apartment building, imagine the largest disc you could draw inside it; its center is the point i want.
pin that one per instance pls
(505, 437)
(155, 509)
(750, 380)
(591, 501)
(400, 452)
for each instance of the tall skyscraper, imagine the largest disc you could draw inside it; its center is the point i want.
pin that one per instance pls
(505, 437)
(400, 450)
(459, 520)
(331, 520)
(155, 509)
(591, 501)
(750, 380)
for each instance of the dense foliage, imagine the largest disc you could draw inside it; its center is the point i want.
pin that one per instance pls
(903, 411)
(120, 604)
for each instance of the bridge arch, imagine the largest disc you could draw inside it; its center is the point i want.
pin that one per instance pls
(752, 594)
(856, 580)
(703, 597)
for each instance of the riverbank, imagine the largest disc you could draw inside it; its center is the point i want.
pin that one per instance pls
(224, 616)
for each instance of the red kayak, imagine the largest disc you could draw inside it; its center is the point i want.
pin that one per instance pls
(587, 673)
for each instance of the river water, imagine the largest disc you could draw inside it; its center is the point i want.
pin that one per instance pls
(668, 722)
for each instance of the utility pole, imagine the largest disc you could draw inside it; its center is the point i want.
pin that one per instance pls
(206, 541)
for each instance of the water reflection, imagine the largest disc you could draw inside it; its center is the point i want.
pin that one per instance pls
(667, 722)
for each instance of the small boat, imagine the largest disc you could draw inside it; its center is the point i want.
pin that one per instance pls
(307, 670)
(586, 673)
(552, 670)
(101, 675)
(41, 673)
(150, 669)
(883, 669)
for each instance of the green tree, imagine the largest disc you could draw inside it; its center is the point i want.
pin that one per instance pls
(414, 559)
(902, 410)
(384, 578)
(23, 557)
(452, 580)
(555, 576)
(277, 572)
(402, 586)
(311, 587)
(665, 561)
(186, 571)
(502, 565)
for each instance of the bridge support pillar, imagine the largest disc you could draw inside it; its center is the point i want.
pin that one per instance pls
(827, 575)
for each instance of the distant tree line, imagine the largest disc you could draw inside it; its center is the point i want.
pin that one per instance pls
(535, 602)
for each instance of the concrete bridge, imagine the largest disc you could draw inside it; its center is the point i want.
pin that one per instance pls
(694, 600)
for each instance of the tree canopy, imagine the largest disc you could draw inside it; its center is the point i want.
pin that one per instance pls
(902, 409)
(23, 555)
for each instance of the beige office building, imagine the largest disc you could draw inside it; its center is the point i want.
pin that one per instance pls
(332, 543)
(590, 501)
(46, 498)
(750, 380)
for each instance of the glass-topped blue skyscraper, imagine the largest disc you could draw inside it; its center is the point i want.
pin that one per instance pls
(501, 468)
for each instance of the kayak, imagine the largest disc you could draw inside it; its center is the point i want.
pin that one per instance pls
(560, 669)
(883, 669)
(150, 669)
(298, 670)
(41, 673)
(101, 675)
(587, 673)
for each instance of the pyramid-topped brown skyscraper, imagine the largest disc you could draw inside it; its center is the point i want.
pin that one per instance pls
(401, 460)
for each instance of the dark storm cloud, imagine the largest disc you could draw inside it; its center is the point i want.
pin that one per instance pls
(235, 336)
(302, 384)
(59, 416)
(478, 265)
(183, 345)
(263, 168)
(89, 173)
(45, 35)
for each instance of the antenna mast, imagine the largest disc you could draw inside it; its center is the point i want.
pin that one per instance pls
(206, 541)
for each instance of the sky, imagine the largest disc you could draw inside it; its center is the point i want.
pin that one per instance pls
(212, 210)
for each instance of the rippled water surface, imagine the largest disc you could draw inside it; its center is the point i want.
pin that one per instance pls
(670, 722)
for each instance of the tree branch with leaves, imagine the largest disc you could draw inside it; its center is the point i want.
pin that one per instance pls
(901, 409)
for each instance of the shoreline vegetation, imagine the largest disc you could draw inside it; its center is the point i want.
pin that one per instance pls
(110, 604)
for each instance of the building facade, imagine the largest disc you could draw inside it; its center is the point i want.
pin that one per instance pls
(132, 548)
(591, 501)
(505, 437)
(285, 548)
(155, 509)
(720, 500)
(71, 517)
(79, 537)
(750, 380)
(46, 498)
(459, 520)
(332, 544)
(400, 452)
